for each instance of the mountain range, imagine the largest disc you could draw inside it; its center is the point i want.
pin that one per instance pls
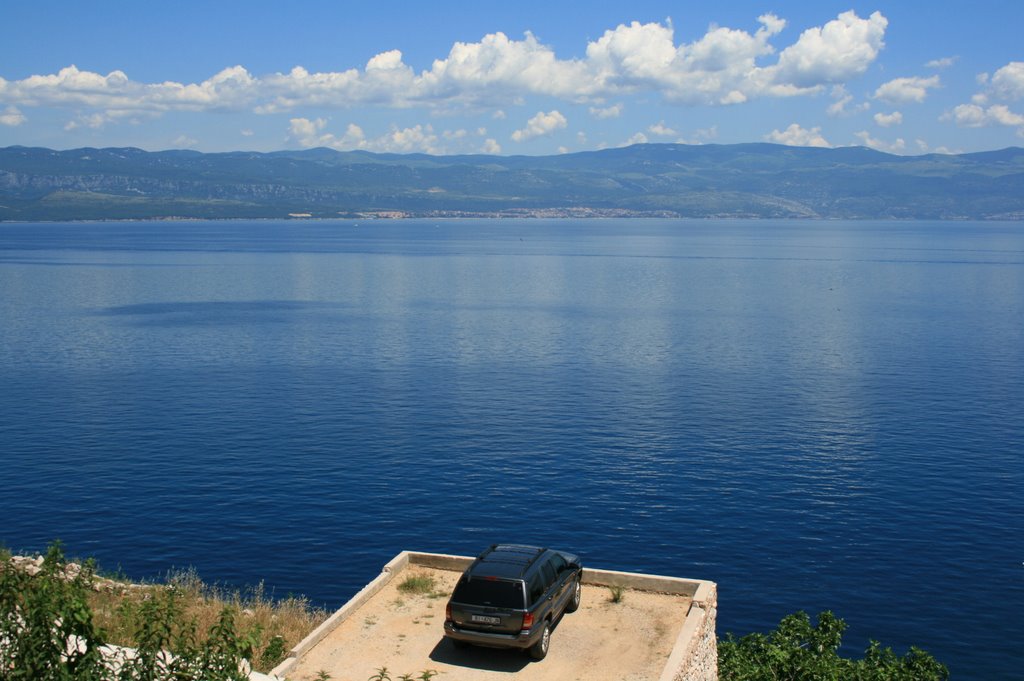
(668, 180)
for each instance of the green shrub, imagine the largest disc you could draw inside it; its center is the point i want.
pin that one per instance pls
(798, 651)
(49, 634)
(40, 615)
(274, 652)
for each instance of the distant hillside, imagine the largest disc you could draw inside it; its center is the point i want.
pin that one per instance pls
(741, 180)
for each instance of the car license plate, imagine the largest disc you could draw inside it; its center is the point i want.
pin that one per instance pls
(485, 619)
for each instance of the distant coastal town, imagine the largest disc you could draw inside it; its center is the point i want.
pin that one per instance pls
(574, 212)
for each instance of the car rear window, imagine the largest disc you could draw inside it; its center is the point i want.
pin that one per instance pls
(497, 593)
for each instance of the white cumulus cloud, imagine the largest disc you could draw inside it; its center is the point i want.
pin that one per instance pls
(896, 147)
(974, 116)
(541, 124)
(942, 62)
(841, 49)
(70, 86)
(662, 130)
(906, 90)
(613, 111)
(797, 136)
(1008, 82)
(968, 116)
(888, 120)
(1002, 115)
(638, 138)
(406, 140)
(415, 139)
(721, 67)
(841, 103)
(99, 119)
(12, 117)
(491, 146)
(703, 135)
(309, 133)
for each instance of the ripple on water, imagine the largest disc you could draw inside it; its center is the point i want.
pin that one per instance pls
(813, 415)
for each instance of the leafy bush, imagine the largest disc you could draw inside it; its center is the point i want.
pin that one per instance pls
(48, 632)
(798, 651)
(46, 627)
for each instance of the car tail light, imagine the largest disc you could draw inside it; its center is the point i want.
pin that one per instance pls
(527, 621)
(448, 612)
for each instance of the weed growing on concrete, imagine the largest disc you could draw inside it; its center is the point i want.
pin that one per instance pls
(425, 675)
(383, 675)
(322, 675)
(418, 584)
(616, 594)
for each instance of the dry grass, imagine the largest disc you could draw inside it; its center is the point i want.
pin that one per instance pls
(257, 615)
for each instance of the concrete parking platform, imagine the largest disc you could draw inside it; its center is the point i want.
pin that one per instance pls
(658, 632)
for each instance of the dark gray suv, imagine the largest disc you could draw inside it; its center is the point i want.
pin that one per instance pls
(511, 596)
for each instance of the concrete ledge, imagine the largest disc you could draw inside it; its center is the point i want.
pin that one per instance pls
(705, 592)
(697, 589)
(440, 561)
(702, 594)
(685, 643)
(394, 566)
(700, 591)
(634, 580)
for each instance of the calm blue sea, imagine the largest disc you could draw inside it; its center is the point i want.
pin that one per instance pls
(815, 415)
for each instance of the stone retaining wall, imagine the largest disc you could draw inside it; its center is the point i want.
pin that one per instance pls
(700, 660)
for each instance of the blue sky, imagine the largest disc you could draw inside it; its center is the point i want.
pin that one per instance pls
(511, 78)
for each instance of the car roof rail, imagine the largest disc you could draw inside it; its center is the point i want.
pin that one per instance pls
(513, 555)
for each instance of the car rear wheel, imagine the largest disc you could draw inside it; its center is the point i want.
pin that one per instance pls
(539, 650)
(574, 600)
